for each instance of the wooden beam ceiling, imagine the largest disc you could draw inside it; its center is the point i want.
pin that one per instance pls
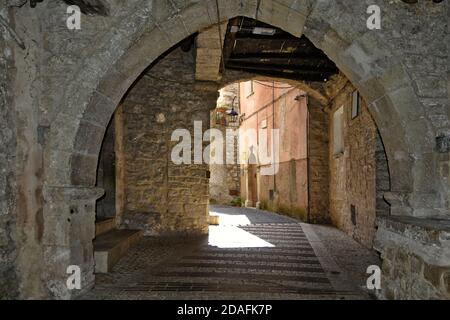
(256, 47)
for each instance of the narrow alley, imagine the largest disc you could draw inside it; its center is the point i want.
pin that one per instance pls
(252, 254)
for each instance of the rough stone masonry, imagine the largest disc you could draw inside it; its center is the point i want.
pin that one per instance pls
(8, 253)
(163, 198)
(58, 94)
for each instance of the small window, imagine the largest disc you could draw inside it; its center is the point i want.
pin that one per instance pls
(249, 88)
(338, 131)
(355, 104)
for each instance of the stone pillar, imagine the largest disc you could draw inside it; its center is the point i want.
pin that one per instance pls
(8, 165)
(69, 229)
(318, 163)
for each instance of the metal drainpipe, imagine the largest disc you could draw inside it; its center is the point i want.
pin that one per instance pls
(273, 147)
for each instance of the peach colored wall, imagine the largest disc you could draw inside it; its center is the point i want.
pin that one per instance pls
(289, 116)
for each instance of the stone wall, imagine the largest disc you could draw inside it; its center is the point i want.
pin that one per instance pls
(8, 280)
(163, 198)
(416, 258)
(225, 182)
(318, 163)
(353, 172)
(106, 176)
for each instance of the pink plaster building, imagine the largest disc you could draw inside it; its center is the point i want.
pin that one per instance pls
(266, 106)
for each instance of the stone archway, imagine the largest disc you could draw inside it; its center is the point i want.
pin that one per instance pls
(126, 50)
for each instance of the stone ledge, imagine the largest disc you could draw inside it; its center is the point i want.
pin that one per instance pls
(72, 193)
(432, 231)
(416, 257)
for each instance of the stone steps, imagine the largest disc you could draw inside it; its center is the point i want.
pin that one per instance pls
(104, 225)
(109, 247)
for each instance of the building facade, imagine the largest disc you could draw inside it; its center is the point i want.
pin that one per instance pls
(268, 110)
(331, 163)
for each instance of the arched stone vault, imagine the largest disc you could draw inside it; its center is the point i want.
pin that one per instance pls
(144, 32)
(362, 56)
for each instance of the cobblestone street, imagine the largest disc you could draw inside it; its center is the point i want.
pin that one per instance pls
(252, 254)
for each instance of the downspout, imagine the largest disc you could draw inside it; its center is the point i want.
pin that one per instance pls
(273, 146)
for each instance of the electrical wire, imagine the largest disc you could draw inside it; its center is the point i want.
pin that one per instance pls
(190, 83)
(272, 86)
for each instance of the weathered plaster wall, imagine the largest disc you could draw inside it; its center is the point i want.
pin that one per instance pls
(282, 108)
(162, 197)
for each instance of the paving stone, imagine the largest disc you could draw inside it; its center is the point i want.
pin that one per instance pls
(171, 269)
